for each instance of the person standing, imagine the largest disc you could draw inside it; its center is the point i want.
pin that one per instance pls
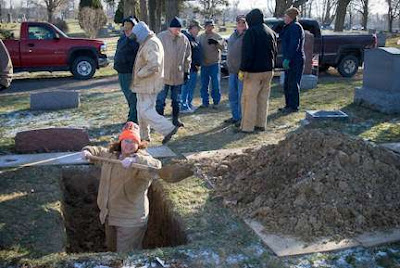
(147, 82)
(256, 69)
(176, 68)
(211, 44)
(234, 57)
(6, 68)
(292, 37)
(124, 59)
(190, 85)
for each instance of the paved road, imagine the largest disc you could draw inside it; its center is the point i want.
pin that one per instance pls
(66, 83)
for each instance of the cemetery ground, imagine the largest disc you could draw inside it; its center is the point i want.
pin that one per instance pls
(37, 202)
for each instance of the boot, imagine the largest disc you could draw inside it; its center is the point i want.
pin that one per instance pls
(175, 117)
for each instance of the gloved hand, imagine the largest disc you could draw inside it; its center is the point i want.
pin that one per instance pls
(127, 162)
(85, 155)
(285, 64)
(241, 75)
(197, 67)
(186, 77)
(212, 42)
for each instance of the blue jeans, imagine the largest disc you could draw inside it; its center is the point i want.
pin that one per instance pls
(235, 95)
(208, 72)
(125, 83)
(175, 97)
(187, 91)
(291, 86)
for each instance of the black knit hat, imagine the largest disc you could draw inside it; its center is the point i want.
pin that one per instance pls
(175, 23)
(131, 19)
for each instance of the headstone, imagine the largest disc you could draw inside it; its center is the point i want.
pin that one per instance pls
(54, 100)
(381, 38)
(323, 115)
(309, 51)
(51, 140)
(308, 81)
(9, 18)
(381, 82)
(103, 32)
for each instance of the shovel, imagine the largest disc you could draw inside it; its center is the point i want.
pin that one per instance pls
(174, 172)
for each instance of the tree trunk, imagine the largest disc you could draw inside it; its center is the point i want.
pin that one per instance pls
(130, 7)
(155, 15)
(365, 14)
(144, 12)
(50, 15)
(171, 10)
(280, 8)
(341, 15)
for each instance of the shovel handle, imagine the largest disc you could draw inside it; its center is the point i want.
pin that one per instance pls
(134, 165)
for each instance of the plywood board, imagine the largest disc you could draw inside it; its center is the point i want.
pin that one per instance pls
(289, 246)
(65, 158)
(378, 238)
(216, 153)
(394, 146)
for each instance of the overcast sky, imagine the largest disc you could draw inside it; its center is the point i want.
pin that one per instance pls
(377, 6)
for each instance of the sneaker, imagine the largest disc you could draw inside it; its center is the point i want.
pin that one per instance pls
(215, 106)
(203, 106)
(186, 111)
(178, 123)
(237, 123)
(169, 136)
(260, 129)
(283, 109)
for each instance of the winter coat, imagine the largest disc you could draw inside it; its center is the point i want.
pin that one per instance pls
(196, 51)
(177, 57)
(235, 43)
(259, 45)
(211, 54)
(125, 54)
(122, 197)
(148, 73)
(293, 37)
(6, 68)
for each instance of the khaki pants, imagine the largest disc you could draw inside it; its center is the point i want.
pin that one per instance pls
(124, 239)
(255, 100)
(148, 116)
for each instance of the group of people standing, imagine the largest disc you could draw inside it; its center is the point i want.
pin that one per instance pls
(149, 68)
(152, 67)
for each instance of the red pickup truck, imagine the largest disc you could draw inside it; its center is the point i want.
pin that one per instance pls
(44, 47)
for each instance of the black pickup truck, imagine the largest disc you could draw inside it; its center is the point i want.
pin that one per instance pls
(343, 51)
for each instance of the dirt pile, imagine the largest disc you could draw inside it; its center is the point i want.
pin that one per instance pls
(313, 184)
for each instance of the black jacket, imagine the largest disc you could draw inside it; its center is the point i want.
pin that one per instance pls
(292, 37)
(125, 54)
(259, 45)
(196, 51)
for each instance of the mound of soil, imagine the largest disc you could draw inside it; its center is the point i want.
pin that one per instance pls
(313, 184)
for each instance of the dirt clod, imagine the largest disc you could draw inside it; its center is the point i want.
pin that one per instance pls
(315, 183)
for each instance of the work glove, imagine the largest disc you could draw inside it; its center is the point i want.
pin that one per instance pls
(127, 162)
(186, 77)
(285, 64)
(212, 42)
(241, 75)
(85, 155)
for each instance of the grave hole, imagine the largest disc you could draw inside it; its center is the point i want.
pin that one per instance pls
(84, 231)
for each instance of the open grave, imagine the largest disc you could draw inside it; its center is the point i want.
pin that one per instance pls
(84, 231)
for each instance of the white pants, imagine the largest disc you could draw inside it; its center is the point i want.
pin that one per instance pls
(148, 117)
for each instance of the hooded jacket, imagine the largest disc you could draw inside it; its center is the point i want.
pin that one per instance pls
(177, 57)
(6, 68)
(259, 45)
(235, 43)
(122, 197)
(148, 72)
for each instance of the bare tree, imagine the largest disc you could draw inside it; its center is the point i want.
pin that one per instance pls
(329, 11)
(144, 11)
(155, 10)
(131, 8)
(341, 14)
(171, 9)
(91, 20)
(362, 7)
(393, 12)
(282, 5)
(211, 8)
(51, 6)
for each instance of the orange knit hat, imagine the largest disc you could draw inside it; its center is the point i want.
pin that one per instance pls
(131, 131)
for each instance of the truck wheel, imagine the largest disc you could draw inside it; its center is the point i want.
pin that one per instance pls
(83, 68)
(348, 66)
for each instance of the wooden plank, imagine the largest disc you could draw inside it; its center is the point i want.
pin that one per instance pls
(215, 153)
(378, 238)
(394, 146)
(289, 246)
(65, 158)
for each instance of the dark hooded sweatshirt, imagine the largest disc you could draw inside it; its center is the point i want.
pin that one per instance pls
(259, 45)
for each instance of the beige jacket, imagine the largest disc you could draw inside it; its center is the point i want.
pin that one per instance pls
(177, 59)
(148, 73)
(211, 54)
(122, 197)
(6, 68)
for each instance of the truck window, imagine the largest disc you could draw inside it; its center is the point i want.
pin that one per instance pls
(40, 33)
